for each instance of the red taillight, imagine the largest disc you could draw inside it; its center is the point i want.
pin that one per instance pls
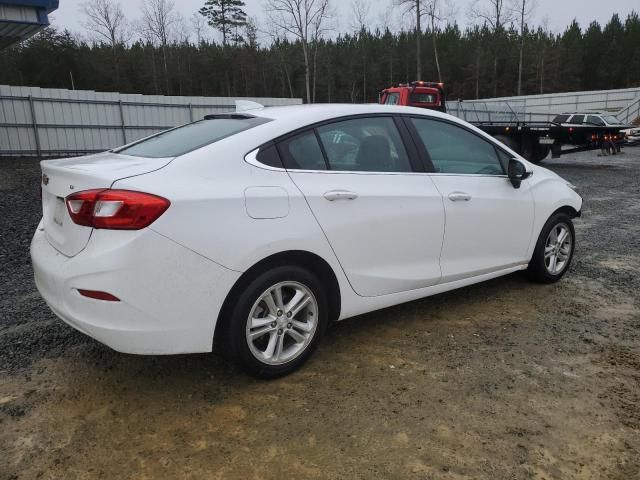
(115, 209)
(98, 295)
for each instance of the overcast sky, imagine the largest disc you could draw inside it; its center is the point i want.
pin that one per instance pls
(556, 13)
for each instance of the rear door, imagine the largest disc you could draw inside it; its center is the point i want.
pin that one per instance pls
(384, 221)
(488, 222)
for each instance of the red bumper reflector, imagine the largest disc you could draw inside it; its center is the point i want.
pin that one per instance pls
(96, 295)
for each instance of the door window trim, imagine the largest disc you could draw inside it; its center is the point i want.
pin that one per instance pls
(408, 143)
(416, 150)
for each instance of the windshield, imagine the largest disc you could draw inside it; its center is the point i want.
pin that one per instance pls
(192, 136)
(611, 120)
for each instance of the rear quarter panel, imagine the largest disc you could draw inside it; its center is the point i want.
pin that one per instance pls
(209, 212)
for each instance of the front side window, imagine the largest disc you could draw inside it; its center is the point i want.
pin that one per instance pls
(455, 150)
(365, 145)
(192, 136)
(392, 99)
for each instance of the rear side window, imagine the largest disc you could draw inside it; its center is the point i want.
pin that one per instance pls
(268, 155)
(192, 136)
(561, 118)
(577, 119)
(302, 152)
(455, 150)
(593, 120)
(364, 145)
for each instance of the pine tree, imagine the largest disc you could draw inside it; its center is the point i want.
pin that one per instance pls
(226, 16)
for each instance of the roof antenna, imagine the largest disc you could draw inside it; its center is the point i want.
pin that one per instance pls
(246, 105)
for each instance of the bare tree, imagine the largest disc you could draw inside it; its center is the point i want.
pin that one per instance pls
(198, 26)
(437, 11)
(360, 11)
(106, 21)
(415, 7)
(523, 10)
(387, 22)
(160, 18)
(544, 32)
(149, 41)
(278, 39)
(495, 14)
(306, 21)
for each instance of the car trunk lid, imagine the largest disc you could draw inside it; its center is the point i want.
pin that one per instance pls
(63, 177)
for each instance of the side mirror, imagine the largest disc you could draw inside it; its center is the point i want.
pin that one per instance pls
(517, 172)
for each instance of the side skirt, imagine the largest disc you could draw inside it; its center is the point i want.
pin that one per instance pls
(354, 305)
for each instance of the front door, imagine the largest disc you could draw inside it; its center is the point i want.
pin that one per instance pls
(488, 222)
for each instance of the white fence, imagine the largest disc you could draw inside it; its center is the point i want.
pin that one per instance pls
(52, 122)
(631, 113)
(534, 108)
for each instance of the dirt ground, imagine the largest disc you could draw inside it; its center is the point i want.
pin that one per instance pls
(503, 380)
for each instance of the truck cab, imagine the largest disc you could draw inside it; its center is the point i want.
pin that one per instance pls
(416, 94)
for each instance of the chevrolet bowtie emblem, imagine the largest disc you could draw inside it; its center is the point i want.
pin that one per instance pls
(45, 179)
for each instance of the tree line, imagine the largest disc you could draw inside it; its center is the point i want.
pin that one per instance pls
(486, 59)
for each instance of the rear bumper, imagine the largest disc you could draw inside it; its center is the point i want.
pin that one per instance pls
(169, 296)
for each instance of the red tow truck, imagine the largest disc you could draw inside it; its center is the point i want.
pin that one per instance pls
(532, 140)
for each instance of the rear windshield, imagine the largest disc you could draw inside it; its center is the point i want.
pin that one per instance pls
(192, 136)
(423, 98)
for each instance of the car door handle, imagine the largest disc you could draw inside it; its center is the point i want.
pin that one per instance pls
(340, 195)
(459, 197)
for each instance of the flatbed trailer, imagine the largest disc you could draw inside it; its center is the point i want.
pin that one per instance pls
(532, 140)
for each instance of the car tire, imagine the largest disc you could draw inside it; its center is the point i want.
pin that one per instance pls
(554, 251)
(540, 153)
(261, 337)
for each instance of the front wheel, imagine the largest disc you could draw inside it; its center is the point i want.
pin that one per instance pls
(554, 250)
(277, 322)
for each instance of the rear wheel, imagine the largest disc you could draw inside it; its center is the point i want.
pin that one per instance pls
(277, 322)
(554, 250)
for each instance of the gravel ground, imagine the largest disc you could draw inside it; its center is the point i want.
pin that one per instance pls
(503, 380)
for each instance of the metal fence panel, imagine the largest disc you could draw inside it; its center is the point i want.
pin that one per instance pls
(54, 122)
(546, 107)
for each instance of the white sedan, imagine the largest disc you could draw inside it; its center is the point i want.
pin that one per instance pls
(259, 228)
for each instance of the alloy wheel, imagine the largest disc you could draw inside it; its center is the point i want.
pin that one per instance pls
(558, 247)
(282, 323)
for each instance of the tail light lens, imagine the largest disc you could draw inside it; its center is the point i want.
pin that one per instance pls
(115, 209)
(98, 295)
